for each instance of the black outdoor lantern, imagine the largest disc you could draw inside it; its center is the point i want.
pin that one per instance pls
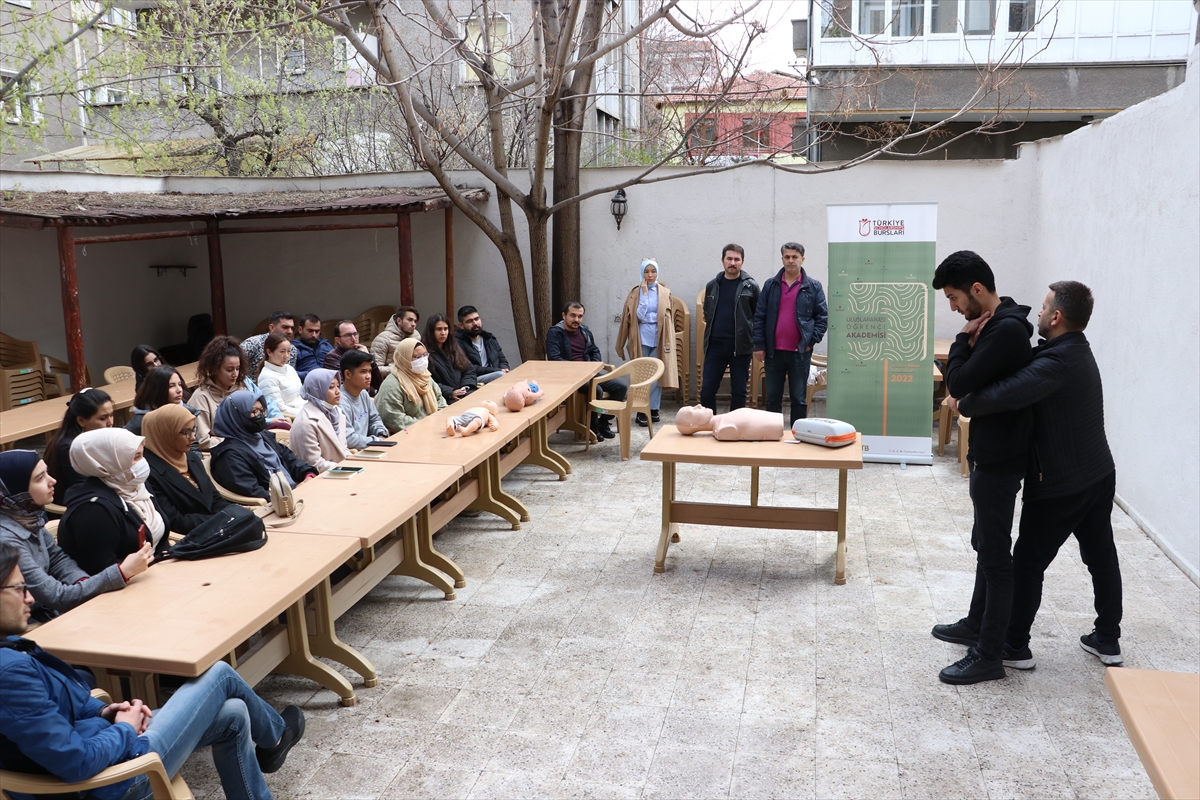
(619, 206)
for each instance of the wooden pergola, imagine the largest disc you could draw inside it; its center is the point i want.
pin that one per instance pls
(66, 211)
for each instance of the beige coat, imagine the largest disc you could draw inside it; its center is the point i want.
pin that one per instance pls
(205, 400)
(313, 439)
(628, 333)
(385, 344)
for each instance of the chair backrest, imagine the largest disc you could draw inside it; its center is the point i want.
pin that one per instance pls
(118, 374)
(642, 374)
(261, 327)
(21, 386)
(327, 328)
(371, 322)
(701, 324)
(17, 353)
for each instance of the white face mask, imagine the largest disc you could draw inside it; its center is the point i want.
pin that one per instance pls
(140, 470)
(420, 365)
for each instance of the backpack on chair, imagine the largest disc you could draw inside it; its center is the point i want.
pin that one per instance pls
(283, 502)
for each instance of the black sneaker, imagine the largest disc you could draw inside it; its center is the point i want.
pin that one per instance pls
(270, 759)
(957, 633)
(654, 415)
(1018, 659)
(605, 427)
(1108, 652)
(972, 668)
(641, 420)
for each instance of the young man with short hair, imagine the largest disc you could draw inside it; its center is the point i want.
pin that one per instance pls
(364, 423)
(993, 345)
(309, 348)
(730, 300)
(1071, 478)
(570, 340)
(482, 348)
(281, 322)
(50, 723)
(791, 317)
(345, 339)
(402, 325)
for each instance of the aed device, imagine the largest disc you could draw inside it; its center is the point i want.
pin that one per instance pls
(825, 432)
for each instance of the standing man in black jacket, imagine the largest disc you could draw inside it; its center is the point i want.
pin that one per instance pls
(1071, 478)
(993, 345)
(730, 300)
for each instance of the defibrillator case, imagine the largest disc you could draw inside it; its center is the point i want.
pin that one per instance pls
(825, 432)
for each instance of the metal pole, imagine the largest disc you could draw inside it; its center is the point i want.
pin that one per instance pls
(404, 237)
(68, 276)
(450, 261)
(216, 278)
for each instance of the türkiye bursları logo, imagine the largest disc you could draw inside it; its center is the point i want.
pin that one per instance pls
(880, 227)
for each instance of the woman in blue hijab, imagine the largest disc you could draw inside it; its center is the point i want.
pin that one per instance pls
(248, 455)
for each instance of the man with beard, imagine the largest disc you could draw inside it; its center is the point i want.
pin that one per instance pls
(993, 345)
(482, 348)
(1071, 478)
(309, 348)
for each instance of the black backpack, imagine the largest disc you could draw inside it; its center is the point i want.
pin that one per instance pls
(233, 529)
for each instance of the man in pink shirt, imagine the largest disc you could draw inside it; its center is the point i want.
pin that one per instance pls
(790, 319)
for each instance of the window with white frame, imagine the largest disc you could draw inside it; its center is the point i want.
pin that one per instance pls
(21, 106)
(291, 60)
(21, 3)
(835, 16)
(498, 45)
(1022, 14)
(943, 16)
(980, 17)
(872, 17)
(908, 18)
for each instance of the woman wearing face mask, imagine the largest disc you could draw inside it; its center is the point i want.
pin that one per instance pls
(448, 364)
(222, 370)
(111, 514)
(52, 577)
(278, 379)
(409, 393)
(248, 454)
(87, 410)
(180, 485)
(319, 432)
(162, 386)
(648, 327)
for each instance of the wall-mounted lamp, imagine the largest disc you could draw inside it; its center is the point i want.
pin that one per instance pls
(619, 206)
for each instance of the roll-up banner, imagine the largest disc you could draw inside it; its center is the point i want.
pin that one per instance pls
(881, 264)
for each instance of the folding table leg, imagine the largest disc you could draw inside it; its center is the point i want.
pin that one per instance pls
(489, 500)
(754, 486)
(430, 555)
(324, 641)
(839, 577)
(300, 662)
(414, 566)
(540, 453)
(669, 529)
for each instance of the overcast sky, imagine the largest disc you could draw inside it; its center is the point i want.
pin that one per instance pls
(774, 49)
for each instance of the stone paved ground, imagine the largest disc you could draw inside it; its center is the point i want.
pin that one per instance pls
(566, 668)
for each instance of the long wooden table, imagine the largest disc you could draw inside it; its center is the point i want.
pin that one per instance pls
(1161, 712)
(386, 509)
(181, 617)
(671, 447)
(46, 416)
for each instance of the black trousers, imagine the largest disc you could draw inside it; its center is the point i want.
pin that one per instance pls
(994, 495)
(1045, 526)
(717, 358)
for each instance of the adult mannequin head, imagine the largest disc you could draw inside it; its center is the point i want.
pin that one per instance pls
(355, 372)
(277, 348)
(572, 315)
(144, 358)
(968, 283)
(223, 363)
(1066, 309)
(16, 603)
(793, 259)
(283, 323)
(345, 335)
(406, 318)
(162, 386)
(732, 258)
(310, 329)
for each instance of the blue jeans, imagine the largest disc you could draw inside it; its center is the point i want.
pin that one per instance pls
(790, 365)
(221, 710)
(490, 376)
(655, 390)
(717, 358)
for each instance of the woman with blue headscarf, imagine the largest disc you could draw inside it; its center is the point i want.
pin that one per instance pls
(248, 454)
(648, 326)
(319, 431)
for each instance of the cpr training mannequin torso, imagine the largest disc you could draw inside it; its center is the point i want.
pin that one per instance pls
(741, 425)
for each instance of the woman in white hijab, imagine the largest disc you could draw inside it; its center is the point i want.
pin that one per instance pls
(648, 328)
(318, 433)
(111, 514)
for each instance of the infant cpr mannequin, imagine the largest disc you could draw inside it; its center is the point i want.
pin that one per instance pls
(473, 420)
(522, 393)
(742, 425)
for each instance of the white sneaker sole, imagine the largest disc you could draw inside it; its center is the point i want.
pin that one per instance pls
(1024, 663)
(1112, 661)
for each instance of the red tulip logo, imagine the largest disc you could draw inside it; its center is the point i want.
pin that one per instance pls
(864, 227)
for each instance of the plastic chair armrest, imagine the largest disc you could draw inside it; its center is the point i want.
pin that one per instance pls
(149, 765)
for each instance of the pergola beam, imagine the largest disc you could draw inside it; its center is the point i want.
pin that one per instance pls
(72, 320)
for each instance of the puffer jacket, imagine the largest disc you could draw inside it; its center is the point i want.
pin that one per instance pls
(386, 342)
(743, 312)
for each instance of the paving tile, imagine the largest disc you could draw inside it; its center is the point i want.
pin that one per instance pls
(419, 781)
(849, 778)
(758, 777)
(601, 758)
(684, 773)
(350, 777)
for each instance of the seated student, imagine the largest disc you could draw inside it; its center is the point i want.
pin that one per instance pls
(54, 579)
(448, 363)
(278, 379)
(345, 339)
(163, 386)
(50, 723)
(248, 454)
(180, 485)
(282, 324)
(410, 393)
(87, 410)
(363, 423)
(402, 325)
(570, 340)
(319, 432)
(480, 346)
(111, 514)
(309, 347)
(143, 359)
(222, 370)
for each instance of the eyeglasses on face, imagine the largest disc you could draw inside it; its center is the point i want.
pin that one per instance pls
(20, 587)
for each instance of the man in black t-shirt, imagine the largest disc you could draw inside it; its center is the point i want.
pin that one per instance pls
(729, 303)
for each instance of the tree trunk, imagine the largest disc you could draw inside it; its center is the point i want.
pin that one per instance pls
(539, 262)
(566, 274)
